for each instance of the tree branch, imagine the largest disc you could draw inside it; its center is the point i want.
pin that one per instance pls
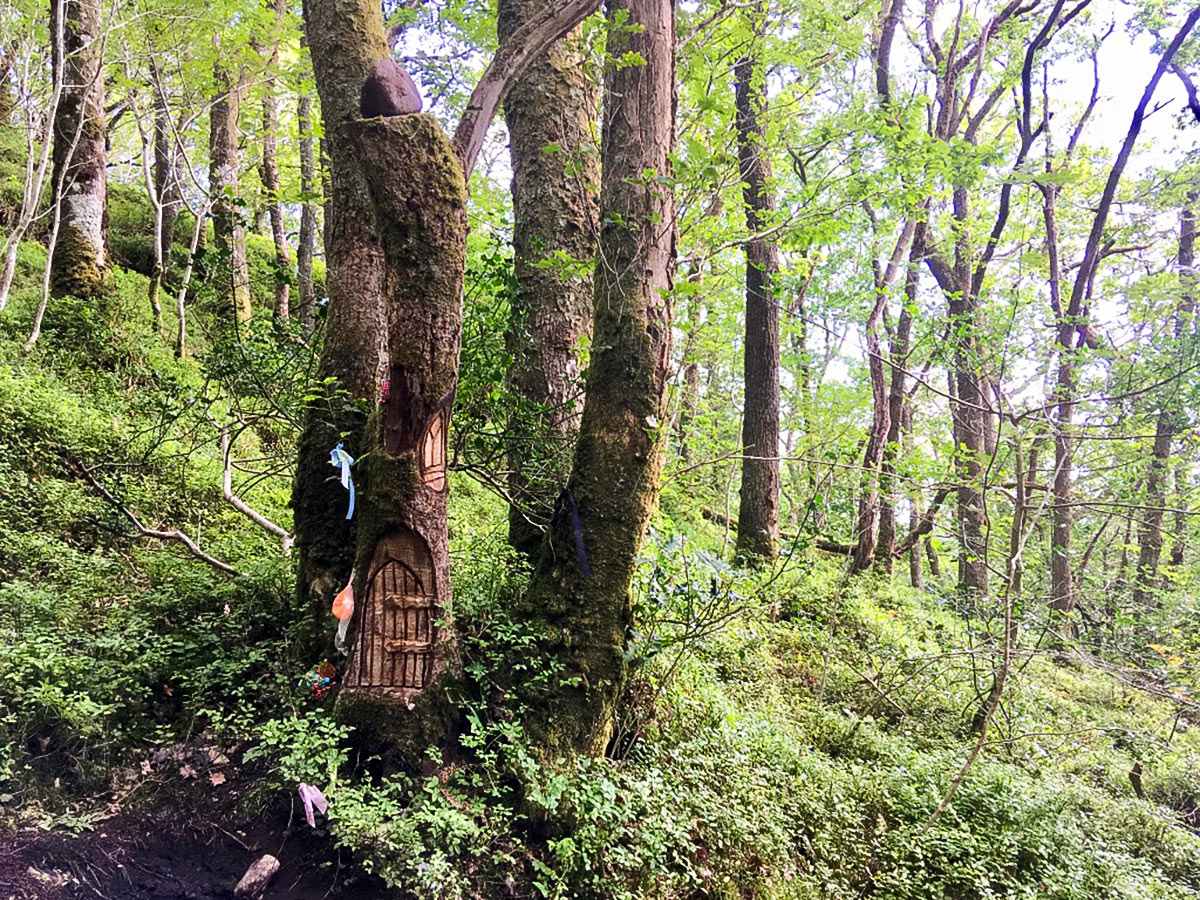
(173, 535)
(925, 525)
(510, 62)
(241, 505)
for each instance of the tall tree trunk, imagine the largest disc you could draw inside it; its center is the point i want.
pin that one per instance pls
(80, 131)
(553, 105)
(229, 235)
(614, 482)
(1070, 333)
(867, 525)
(345, 39)
(403, 562)
(758, 510)
(966, 312)
(1179, 545)
(270, 177)
(166, 173)
(414, 182)
(307, 239)
(900, 413)
(1150, 537)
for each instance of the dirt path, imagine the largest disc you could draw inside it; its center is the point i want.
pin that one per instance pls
(176, 849)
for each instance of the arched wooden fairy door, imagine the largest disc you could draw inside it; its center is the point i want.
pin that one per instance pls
(394, 648)
(432, 460)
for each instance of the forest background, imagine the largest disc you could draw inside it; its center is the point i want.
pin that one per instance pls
(817, 478)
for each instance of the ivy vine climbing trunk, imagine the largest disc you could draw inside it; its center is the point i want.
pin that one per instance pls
(79, 155)
(758, 509)
(549, 112)
(580, 590)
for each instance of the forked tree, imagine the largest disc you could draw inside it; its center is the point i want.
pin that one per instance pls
(405, 180)
(580, 591)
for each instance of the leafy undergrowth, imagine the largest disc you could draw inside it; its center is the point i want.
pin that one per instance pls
(802, 755)
(785, 735)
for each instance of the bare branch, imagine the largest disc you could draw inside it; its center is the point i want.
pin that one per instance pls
(174, 534)
(241, 505)
(510, 62)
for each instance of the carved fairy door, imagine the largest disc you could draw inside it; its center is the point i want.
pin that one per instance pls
(394, 650)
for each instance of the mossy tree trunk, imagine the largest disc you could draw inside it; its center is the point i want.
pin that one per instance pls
(614, 482)
(408, 184)
(549, 112)
(758, 510)
(229, 234)
(80, 254)
(404, 637)
(345, 39)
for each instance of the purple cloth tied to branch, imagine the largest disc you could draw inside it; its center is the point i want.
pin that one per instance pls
(311, 797)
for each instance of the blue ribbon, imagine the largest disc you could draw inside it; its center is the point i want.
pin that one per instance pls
(339, 458)
(566, 502)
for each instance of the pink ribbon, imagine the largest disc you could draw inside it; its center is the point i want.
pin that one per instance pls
(311, 797)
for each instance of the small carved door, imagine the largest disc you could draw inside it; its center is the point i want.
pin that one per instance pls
(394, 649)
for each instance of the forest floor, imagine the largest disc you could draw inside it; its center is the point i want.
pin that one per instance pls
(190, 841)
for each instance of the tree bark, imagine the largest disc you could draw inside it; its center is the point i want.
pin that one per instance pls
(1150, 537)
(270, 179)
(553, 105)
(307, 239)
(229, 236)
(79, 155)
(614, 481)
(758, 509)
(403, 637)
(345, 39)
